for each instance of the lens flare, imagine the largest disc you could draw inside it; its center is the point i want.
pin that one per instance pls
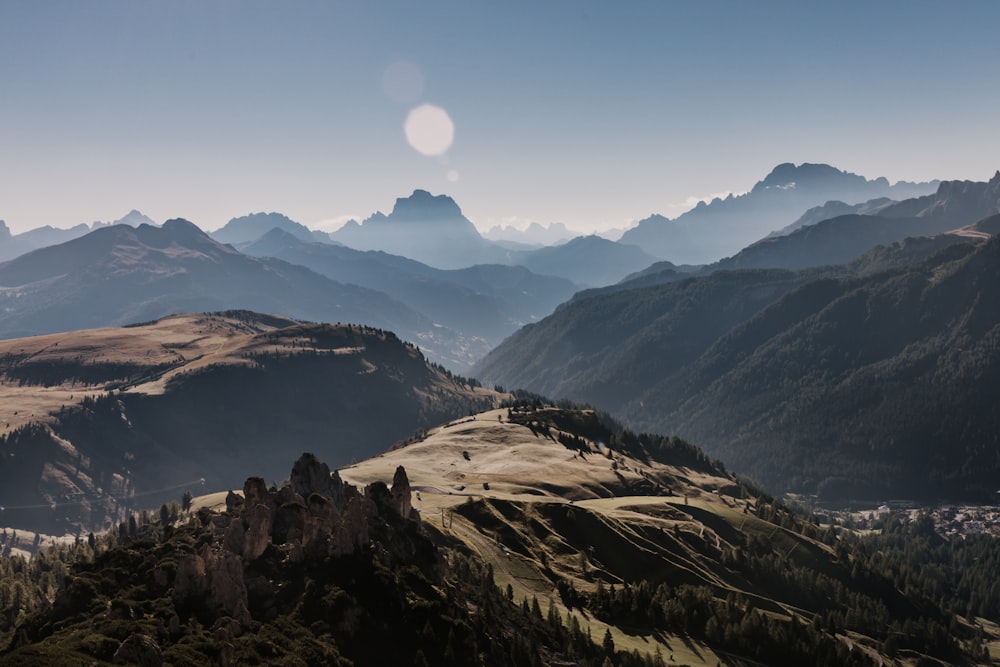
(429, 130)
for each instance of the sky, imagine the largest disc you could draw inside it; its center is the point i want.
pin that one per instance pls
(592, 114)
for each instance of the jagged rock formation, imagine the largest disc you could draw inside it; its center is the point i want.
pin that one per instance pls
(315, 516)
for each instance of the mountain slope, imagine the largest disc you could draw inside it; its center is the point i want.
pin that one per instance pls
(119, 275)
(98, 419)
(834, 209)
(485, 301)
(852, 388)
(721, 228)
(606, 349)
(588, 260)
(845, 382)
(834, 241)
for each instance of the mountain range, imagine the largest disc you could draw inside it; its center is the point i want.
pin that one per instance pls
(121, 275)
(487, 301)
(535, 234)
(248, 228)
(722, 227)
(13, 245)
(849, 232)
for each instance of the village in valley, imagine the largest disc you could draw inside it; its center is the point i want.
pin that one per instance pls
(949, 520)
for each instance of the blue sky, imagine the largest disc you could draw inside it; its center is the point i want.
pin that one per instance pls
(593, 114)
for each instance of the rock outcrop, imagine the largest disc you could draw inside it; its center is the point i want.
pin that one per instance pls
(315, 516)
(213, 577)
(402, 496)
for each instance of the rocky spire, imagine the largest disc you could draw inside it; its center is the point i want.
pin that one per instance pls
(401, 496)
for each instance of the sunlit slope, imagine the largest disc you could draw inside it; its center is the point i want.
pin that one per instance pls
(561, 511)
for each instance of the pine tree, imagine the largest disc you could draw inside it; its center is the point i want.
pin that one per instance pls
(608, 643)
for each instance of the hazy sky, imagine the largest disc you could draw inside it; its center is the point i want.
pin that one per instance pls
(593, 114)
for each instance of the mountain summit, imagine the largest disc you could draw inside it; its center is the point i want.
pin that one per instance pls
(425, 227)
(249, 228)
(422, 206)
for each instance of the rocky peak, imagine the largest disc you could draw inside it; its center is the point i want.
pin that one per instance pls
(134, 218)
(423, 206)
(787, 176)
(309, 475)
(255, 492)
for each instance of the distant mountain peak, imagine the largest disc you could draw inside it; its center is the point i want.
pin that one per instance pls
(722, 227)
(135, 218)
(656, 218)
(422, 205)
(250, 227)
(175, 225)
(787, 176)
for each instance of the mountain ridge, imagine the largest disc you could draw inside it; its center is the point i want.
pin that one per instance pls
(722, 227)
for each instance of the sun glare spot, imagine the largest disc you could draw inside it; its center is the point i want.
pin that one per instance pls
(429, 129)
(452, 176)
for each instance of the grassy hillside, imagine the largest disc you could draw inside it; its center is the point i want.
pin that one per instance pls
(528, 535)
